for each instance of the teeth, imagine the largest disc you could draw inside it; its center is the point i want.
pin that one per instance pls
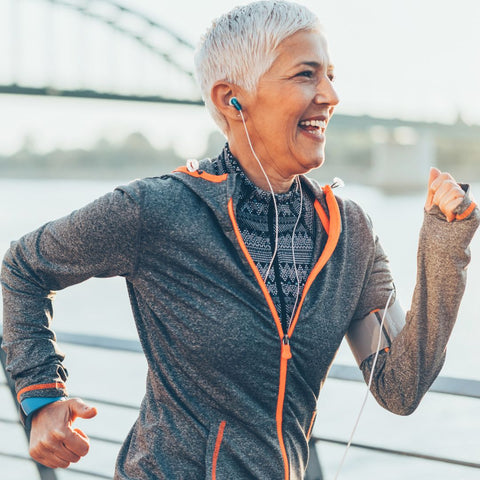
(314, 123)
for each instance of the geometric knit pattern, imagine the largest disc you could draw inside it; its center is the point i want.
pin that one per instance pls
(256, 220)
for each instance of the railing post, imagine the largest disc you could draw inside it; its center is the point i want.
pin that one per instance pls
(44, 472)
(314, 470)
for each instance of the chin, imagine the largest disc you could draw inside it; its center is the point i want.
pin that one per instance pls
(313, 164)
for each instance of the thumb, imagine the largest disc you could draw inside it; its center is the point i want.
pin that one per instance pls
(79, 409)
(434, 173)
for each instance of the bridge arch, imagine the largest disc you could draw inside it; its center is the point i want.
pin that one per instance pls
(110, 50)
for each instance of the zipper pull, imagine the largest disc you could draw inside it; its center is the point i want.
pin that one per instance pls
(286, 352)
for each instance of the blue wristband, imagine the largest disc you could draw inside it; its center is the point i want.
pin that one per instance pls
(29, 405)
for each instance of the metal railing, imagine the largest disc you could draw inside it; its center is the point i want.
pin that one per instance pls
(443, 385)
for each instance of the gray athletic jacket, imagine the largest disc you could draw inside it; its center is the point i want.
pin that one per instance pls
(229, 394)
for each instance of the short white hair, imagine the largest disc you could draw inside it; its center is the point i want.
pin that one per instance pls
(239, 47)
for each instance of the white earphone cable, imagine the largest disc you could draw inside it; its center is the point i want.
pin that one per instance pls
(337, 182)
(299, 186)
(273, 197)
(368, 387)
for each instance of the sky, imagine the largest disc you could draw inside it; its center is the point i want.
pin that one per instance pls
(411, 59)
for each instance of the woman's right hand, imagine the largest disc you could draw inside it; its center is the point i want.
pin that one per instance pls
(53, 440)
(444, 192)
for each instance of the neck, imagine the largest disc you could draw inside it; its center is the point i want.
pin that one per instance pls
(250, 165)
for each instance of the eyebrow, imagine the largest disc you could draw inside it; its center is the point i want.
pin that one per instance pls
(330, 66)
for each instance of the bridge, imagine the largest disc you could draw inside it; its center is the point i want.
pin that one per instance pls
(104, 50)
(98, 50)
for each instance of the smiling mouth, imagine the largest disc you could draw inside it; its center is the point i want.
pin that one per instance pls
(315, 127)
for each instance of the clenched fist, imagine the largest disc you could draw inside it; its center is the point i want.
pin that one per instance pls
(444, 192)
(53, 440)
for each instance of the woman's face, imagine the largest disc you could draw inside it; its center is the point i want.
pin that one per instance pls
(288, 114)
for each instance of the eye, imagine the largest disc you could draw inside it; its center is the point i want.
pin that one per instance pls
(331, 76)
(306, 73)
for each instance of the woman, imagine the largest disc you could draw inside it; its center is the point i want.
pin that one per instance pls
(243, 276)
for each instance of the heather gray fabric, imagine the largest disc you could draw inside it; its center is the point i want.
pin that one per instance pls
(209, 338)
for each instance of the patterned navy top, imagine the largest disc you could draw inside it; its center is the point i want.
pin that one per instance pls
(256, 220)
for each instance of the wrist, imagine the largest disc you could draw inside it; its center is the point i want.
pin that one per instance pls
(33, 404)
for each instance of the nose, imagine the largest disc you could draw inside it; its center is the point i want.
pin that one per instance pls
(326, 93)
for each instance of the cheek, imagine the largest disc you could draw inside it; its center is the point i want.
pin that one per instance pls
(280, 116)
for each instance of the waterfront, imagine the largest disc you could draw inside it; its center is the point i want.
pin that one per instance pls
(442, 425)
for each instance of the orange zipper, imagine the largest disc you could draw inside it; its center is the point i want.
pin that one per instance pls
(332, 226)
(216, 451)
(285, 356)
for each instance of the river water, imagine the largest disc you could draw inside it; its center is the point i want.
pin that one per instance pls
(442, 425)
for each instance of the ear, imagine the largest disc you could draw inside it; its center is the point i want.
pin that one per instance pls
(221, 94)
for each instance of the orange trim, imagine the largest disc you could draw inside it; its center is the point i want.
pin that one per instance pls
(41, 386)
(201, 174)
(333, 229)
(285, 356)
(467, 212)
(333, 236)
(259, 278)
(323, 216)
(285, 351)
(375, 311)
(216, 451)
(312, 422)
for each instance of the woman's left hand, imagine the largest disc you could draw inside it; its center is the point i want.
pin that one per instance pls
(444, 192)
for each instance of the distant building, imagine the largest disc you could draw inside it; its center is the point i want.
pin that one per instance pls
(401, 158)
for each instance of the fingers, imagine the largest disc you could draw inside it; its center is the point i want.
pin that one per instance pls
(58, 450)
(77, 442)
(434, 173)
(448, 196)
(444, 192)
(53, 441)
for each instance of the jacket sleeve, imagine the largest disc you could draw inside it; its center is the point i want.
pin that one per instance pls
(404, 373)
(99, 240)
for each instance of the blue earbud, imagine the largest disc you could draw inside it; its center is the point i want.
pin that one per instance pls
(235, 103)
